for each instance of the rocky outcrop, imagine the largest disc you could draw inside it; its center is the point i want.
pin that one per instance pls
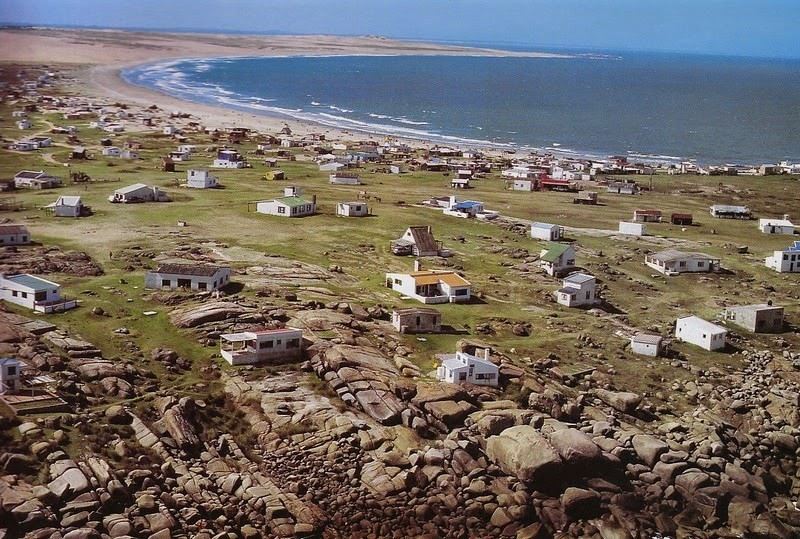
(524, 452)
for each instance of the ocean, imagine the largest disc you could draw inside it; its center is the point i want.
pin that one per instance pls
(648, 106)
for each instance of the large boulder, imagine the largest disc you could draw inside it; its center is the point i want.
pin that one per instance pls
(623, 401)
(649, 448)
(574, 446)
(523, 452)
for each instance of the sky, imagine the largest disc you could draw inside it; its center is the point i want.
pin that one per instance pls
(766, 28)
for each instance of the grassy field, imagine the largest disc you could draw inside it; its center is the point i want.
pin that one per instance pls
(361, 247)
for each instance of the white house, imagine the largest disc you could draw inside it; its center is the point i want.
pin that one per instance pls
(332, 166)
(67, 206)
(699, 332)
(632, 229)
(10, 370)
(430, 286)
(464, 209)
(646, 345)
(460, 183)
(179, 156)
(577, 289)
(464, 368)
(112, 151)
(24, 124)
(138, 192)
(13, 234)
(267, 345)
(344, 178)
(33, 179)
(200, 179)
(546, 231)
(673, 262)
(292, 204)
(776, 226)
(522, 185)
(229, 159)
(202, 277)
(725, 211)
(786, 260)
(35, 293)
(556, 258)
(169, 130)
(352, 209)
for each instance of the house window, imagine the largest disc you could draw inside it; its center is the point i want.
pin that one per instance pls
(166, 282)
(281, 209)
(461, 292)
(278, 341)
(490, 376)
(682, 264)
(202, 285)
(701, 264)
(704, 335)
(266, 344)
(419, 321)
(293, 343)
(24, 294)
(588, 295)
(14, 293)
(11, 370)
(462, 376)
(398, 282)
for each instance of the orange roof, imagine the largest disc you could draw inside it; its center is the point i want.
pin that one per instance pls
(450, 278)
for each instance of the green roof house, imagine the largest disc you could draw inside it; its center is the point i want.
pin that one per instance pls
(556, 258)
(292, 204)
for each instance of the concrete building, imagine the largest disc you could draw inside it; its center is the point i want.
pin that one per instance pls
(430, 286)
(786, 260)
(776, 226)
(464, 368)
(632, 229)
(673, 262)
(273, 346)
(352, 209)
(557, 258)
(725, 211)
(577, 289)
(292, 204)
(35, 293)
(646, 216)
(759, 318)
(201, 179)
(10, 375)
(200, 277)
(645, 344)
(699, 332)
(229, 159)
(344, 178)
(546, 231)
(417, 320)
(14, 234)
(67, 206)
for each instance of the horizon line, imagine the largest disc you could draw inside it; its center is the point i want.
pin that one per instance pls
(459, 42)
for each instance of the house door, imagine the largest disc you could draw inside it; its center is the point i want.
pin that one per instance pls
(184, 283)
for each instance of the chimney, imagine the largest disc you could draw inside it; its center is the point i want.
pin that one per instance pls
(786, 216)
(314, 199)
(486, 354)
(417, 265)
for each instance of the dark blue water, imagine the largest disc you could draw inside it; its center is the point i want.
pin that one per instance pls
(660, 106)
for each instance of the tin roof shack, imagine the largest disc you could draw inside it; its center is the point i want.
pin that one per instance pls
(430, 286)
(547, 231)
(417, 320)
(465, 368)
(35, 293)
(724, 211)
(201, 179)
(344, 178)
(274, 346)
(699, 332)
(352, 209)
(586, 197)
(292, 204)
(31, 179)
(200, 277)
(14, 234)
(521, 185)
(776, 226)
(417, 241)
(557, 258)
(647, 216)
(68, 206)
(786, 260)
(683, 219)
(673, 262)
(645, 344)
(623, 187)
(577, 289)
(138, 192)
(759, 318)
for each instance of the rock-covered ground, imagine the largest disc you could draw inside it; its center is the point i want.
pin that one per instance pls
(356, 442)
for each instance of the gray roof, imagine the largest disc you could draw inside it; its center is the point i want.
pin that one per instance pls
(646, 338)
(199, 270)
(30, 281)
(671, 255)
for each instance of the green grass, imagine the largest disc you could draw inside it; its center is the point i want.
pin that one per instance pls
(360, 247)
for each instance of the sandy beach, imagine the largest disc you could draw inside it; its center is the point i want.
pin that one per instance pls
(99, 56)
